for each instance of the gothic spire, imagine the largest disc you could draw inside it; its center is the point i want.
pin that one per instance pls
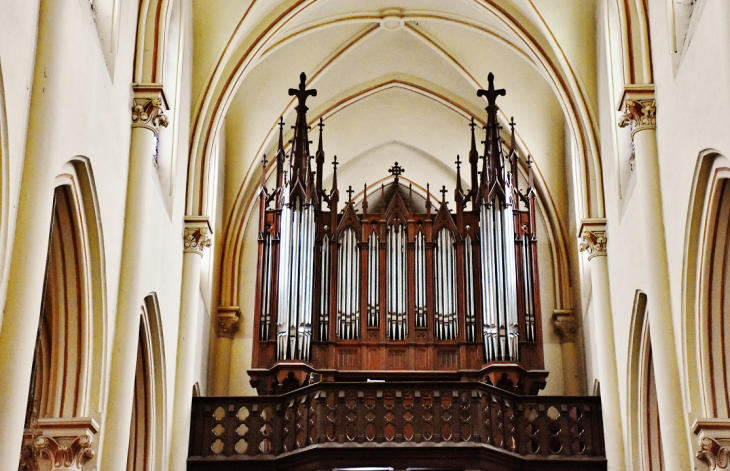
(299, 176)
(493, 143)
(473, 161)
(319, 158)
(280, 156)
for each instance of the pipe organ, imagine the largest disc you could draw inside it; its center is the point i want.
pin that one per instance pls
(458, 288)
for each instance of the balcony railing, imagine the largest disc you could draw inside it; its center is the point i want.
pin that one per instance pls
(380, 415)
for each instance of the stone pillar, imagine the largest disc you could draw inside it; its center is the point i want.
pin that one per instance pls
(567, 329)
(147, 115)
(59, 444)
(197, 238)
(593, 240)
(22, 309)
(639, 108)
(226, 327)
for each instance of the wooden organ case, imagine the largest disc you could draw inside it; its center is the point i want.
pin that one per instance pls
(402, 288)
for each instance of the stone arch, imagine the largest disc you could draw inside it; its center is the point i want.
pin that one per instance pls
(71, 354)
(147, 450)
(242, 53)
(701, 275)
(643, 412)
(149, 56)
(4, 158)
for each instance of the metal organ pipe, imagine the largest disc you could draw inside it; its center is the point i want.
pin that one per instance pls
(445, 283)
(529, 287)
(265, 314)
(397, 321)
(420, 281)
(348, 290)
(324, 300)
(499, 306)
(469, 279)
(373, 275)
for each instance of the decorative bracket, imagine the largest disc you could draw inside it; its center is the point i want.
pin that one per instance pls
(639, 108)
(148, 107)
(227, 324)
(713, 442)
(197, 234)
(592, 237)
(565, 325)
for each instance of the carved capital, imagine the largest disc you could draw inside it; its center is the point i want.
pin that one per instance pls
(639, 108)
(713, 442)
(148, 107)
(65, 455)
(197, 234)
(227, 323)
(60, 444)
(565, 325)
(592, 237)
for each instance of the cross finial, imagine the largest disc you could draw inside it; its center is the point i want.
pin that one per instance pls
(321, 124)
(458, 162)
(281, 124)
(334, 163)
(512, 123)
(264, 161)
(473, 123)
(490, 92)
(302, 93)
(350, 191)
(396, 170)
(443, 193)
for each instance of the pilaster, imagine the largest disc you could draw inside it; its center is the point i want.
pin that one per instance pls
(639, 107)
(147, 115)
(593, 240)
(196, 238)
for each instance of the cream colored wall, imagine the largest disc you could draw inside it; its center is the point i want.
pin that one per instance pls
(693, 114)
(58, 82)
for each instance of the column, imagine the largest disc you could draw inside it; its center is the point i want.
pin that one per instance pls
(147, 115)
(196, 238)
(567, 329)
(639, 107)
(226, 327)
(593, 240)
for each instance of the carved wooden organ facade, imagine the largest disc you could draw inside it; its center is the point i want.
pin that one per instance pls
(397, 285)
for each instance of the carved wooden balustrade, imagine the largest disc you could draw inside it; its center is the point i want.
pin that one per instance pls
(463, 424)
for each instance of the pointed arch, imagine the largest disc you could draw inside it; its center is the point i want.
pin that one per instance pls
(705, 313)
(147, 445)
(4, 158)
(152, 24)
(70, 360)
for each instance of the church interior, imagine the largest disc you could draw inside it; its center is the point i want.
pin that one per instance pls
(365, 235)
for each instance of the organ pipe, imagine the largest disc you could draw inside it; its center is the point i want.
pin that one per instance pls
(348, 289)
(469, 289)
(324, 298)
(373, 280)
(445, 281)
(397, 269)
(420, 281)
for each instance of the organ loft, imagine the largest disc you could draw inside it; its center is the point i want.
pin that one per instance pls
(397, 317)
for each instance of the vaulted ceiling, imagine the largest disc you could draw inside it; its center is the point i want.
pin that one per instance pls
(397, 81)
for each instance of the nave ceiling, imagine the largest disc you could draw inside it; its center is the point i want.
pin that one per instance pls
(396, 81)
